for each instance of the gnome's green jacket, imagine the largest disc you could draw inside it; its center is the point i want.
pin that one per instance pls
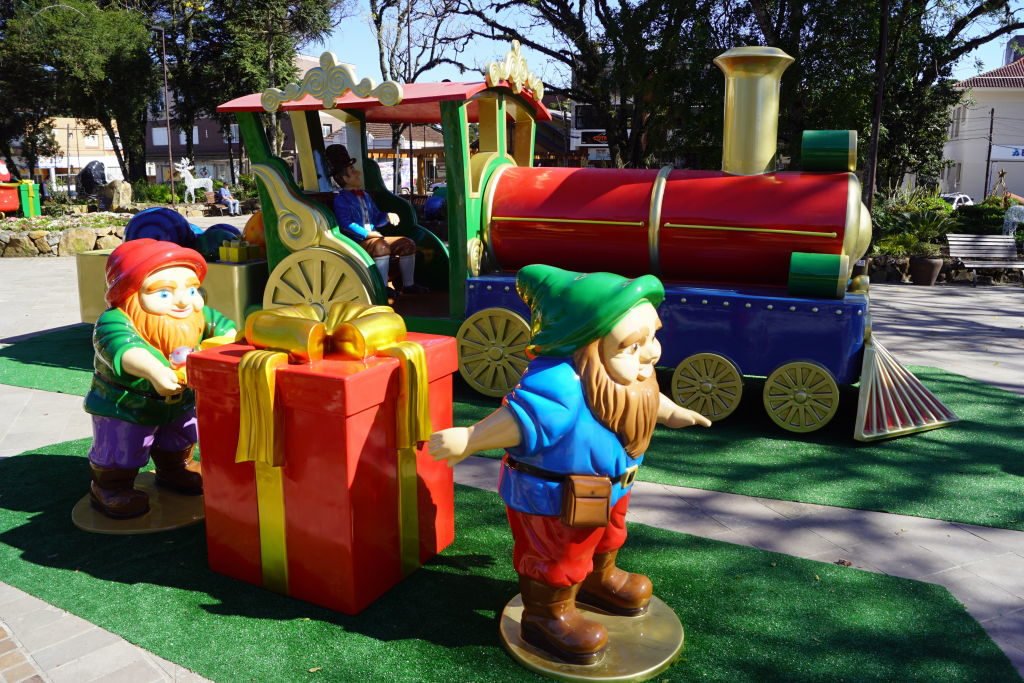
(117, 394)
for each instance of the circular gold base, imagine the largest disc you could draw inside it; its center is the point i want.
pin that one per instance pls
(639, 648)
(167, 511)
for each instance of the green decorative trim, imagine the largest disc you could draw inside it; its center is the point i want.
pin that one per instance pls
(463, 211)
(829, 150)
(818, 275)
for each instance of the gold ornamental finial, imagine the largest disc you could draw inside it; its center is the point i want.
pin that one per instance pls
(328, 82)
(516, 73)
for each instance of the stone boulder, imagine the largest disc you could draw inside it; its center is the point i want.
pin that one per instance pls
(21, 244)
(38, 238)
(115, 196)
(108, 242)
(76, 240)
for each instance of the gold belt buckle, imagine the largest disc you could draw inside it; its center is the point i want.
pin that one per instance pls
(629, 476)
(174, 398)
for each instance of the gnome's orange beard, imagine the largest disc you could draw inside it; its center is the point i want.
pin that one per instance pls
(164, 332)
(629, 410)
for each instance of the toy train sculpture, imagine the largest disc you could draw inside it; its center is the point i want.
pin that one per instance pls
(757, 264)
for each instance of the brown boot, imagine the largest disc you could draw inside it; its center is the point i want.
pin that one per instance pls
(615, 591)
(175, 470)
(112, 492)
(552, 623)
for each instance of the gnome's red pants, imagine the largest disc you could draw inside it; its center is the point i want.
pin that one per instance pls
(548, 551)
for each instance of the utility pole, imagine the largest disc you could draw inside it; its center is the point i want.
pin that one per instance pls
(167, 113)
(988, 156)
(876, 116)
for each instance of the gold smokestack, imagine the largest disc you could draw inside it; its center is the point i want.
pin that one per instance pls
(750, 135)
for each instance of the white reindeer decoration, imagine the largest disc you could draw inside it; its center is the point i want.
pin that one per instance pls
(184, 169)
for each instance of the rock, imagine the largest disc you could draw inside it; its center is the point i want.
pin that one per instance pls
(108, 242)
(41, 244)
(36, 234)
(115, 196)
(119, 231)
(21, 245)
(53, 238)
(102, 232)
(5, 237)
(76, 240)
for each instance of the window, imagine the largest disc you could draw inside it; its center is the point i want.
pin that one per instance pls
(107, 144)
(195, 136)
(160, 136)
(92, 141)
(327, 130)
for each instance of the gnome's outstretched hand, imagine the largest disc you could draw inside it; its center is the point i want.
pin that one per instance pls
(497, 430)
(675, 416)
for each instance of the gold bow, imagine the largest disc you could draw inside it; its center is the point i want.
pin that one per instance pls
(296, 334)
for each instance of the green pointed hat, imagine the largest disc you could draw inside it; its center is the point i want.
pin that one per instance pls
(570, 310)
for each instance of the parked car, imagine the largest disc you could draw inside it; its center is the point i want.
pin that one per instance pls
(957, 199)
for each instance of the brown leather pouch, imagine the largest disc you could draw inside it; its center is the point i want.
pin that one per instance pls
(586, 501)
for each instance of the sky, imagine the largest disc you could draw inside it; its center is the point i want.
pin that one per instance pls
(353, 42)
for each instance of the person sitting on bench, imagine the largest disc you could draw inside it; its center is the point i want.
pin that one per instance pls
(224, 197)
(359, 220)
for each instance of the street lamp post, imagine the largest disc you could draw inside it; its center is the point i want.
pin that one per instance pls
(167, 113)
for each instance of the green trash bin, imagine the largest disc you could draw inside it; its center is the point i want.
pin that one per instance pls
(29, 195)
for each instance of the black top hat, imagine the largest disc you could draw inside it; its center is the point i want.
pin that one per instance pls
(338, 159)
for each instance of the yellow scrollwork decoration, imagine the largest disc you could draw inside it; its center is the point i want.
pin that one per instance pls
(330, 81)
(516, 73)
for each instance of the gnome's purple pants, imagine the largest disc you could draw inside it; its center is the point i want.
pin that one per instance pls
(125, 445)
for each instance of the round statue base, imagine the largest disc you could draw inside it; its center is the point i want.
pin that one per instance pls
(167, 511)
(639, 648)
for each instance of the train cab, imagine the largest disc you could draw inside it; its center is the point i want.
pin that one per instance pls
(309, 259)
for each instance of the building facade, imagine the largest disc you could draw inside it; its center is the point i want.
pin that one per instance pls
(986, 133)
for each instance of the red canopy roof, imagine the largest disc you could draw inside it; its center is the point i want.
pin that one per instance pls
(420, 103)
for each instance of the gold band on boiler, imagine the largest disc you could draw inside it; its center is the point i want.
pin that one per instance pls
(727, 228)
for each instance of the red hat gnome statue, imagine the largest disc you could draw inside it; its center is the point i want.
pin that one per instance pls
(575, 429)
(139, 403)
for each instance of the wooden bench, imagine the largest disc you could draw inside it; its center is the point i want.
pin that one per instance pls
(979, 252)
(212, 204)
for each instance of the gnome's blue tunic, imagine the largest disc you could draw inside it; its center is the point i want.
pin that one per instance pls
(558, 434)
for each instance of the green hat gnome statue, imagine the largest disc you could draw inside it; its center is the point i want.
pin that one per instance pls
(575, 430)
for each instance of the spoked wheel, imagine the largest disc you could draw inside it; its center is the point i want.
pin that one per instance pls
(492, 350)
(801, 397)
(319, 277)
(709, 384)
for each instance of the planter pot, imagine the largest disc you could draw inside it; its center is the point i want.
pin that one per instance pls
(924, 270)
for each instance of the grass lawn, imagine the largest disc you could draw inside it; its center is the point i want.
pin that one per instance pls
(971, 472)
(748, 614)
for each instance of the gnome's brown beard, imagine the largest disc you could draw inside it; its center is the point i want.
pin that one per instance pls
(631, 411)
(164, 332)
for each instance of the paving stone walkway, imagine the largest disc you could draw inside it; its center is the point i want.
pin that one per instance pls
(975, 332)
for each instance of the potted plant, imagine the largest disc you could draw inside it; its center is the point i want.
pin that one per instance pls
(912, 244)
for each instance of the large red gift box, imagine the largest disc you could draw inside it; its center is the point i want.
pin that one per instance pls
(342, 532)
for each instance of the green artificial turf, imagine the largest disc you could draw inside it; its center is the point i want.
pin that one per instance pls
(970, 472)
(748, 614)
(58, 360)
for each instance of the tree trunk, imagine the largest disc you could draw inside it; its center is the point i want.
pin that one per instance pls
(9, 156)
(108, 127)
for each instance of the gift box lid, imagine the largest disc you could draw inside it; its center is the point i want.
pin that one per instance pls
(334, 386)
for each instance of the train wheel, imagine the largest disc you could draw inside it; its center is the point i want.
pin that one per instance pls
(492, 350)
(320, 277)
(801, 397)
(709, 384)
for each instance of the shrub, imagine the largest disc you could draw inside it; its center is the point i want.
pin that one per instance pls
(981, 219)
(246, 186)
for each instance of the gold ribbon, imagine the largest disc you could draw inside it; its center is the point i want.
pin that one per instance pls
(296, 334)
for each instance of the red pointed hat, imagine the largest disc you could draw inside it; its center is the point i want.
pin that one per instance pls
(133, 261)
